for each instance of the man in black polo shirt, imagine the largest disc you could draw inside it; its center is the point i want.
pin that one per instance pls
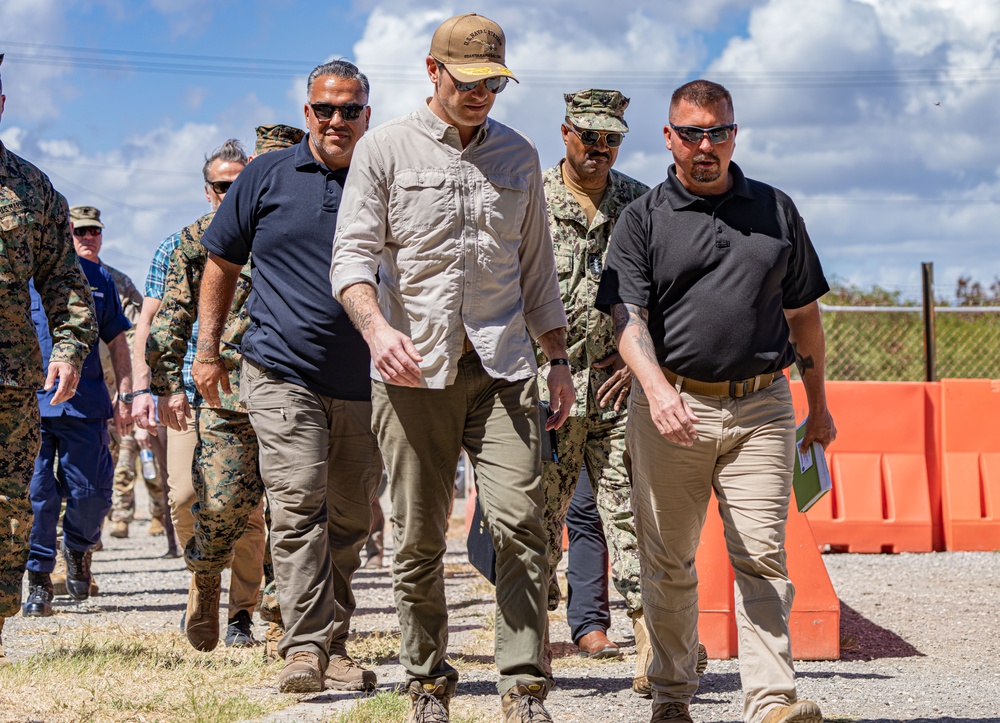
(305, 376)
(712, 284)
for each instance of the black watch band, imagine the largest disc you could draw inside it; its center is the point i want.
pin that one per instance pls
(559, 362)
(128, 397)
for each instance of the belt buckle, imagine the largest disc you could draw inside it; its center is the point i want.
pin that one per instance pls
(735, 387)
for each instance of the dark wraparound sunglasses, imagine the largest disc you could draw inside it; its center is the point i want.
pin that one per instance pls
(220, 187)
(589, 138)
(87, 231)
(325, 111)
(694, 134)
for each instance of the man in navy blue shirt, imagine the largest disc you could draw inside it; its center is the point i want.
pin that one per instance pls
(76, 433)
(304, 378)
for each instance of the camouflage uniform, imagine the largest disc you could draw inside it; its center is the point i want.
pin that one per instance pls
(226, 474)
(35, 241)
(125, 451)
(591, 436)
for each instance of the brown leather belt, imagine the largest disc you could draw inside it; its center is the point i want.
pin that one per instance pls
(466, 345)
(735, 389)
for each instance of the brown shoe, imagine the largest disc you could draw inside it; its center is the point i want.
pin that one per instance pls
(803, 711)
(643, 656)
(119, 529)
(523, 704)
(596, 644)
(202, 626)
(301, 674)
(155, 528)
(672, 711)
(271, 639)
(343, 673)
(702, 660)
(430, 700)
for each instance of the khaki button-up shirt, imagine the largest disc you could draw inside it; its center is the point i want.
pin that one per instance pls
(459, 238)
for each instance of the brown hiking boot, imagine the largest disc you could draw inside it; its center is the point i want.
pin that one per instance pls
(430, 700)
(643, 655)
(803, 711)
(523, 704)
(202, 621)
(672, 711)
(343, 673)
(156, 528)
(271, 639)
(301, 674)
(119, 529)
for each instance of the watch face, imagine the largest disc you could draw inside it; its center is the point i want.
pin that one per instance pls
(127, 398)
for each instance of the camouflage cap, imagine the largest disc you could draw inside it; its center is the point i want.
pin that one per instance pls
(275, 137)
(597, 110)
(83, 216)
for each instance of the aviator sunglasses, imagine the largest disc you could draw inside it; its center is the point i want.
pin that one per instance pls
(694, 134)
(325, 111)
(590, 138)
(494, 84)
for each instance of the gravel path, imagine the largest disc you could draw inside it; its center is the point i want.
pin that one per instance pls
(921, 632)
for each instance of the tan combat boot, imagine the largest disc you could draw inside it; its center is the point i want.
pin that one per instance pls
(523, 704)
(202, 622)
(643, 655)
(430, 700)
(343, 673)
(301, 674)
(271, 639)
(803, 711)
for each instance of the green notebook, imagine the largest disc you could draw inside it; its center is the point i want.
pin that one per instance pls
(811, 476)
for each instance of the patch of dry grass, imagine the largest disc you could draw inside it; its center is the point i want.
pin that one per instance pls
(375, 647)
(393, 707)
(118, 674)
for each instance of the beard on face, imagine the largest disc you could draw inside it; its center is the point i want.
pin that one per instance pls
(705, 175)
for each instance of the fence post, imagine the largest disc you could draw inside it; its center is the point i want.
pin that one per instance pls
(930, 346)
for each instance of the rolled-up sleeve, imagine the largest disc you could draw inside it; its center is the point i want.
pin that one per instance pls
(543, 306)
(361, 221)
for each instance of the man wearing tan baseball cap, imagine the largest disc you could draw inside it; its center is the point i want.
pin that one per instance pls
(450, 204)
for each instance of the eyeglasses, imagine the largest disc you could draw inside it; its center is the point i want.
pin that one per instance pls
(590, 138)
(494, 84)
(87, 231)
(694, 134)
(325, 111)
(220, 187)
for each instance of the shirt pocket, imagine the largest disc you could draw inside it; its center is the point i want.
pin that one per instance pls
(505, 197)
(16, 257)
(421, 201)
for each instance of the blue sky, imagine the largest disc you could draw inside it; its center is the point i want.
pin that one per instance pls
(873, 114)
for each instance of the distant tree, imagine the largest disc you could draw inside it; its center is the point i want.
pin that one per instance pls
(844, 294)
(972, 293)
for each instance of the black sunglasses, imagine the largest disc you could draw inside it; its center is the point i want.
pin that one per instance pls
(220, 187)
(325, 111)
(589, 138)
(694, 134)
(87, 231)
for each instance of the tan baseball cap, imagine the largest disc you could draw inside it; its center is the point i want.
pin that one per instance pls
(83, 216)
(471, 47)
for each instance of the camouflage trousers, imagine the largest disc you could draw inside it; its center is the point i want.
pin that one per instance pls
(20, 430)
(125, 454)
(228, 516)
(599, 445)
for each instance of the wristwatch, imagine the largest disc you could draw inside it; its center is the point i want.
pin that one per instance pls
(127, 397)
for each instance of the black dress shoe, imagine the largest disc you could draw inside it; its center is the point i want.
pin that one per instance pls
(39, 602)
(77, 573)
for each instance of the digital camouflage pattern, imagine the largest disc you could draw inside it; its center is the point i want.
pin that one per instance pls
(597, 110)
(275, 137)
(172, 325)
(226, 477)
(590, 436)
(20, 426)
(35, 241)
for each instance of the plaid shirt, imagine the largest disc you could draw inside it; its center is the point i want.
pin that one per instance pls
(155, 288)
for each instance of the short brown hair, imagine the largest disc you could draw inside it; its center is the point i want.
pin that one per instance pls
(701, 93)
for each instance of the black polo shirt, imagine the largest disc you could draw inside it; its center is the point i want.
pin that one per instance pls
(283, 208)
(715, 275)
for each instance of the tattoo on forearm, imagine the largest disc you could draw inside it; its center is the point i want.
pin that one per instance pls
(803, 363)
(360, 318)
(624, 316)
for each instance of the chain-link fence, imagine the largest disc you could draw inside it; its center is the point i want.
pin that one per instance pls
(872, 343)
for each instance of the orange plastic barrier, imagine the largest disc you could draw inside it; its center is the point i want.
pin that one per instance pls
(970, 480)
(880, 501)
(815, 618)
